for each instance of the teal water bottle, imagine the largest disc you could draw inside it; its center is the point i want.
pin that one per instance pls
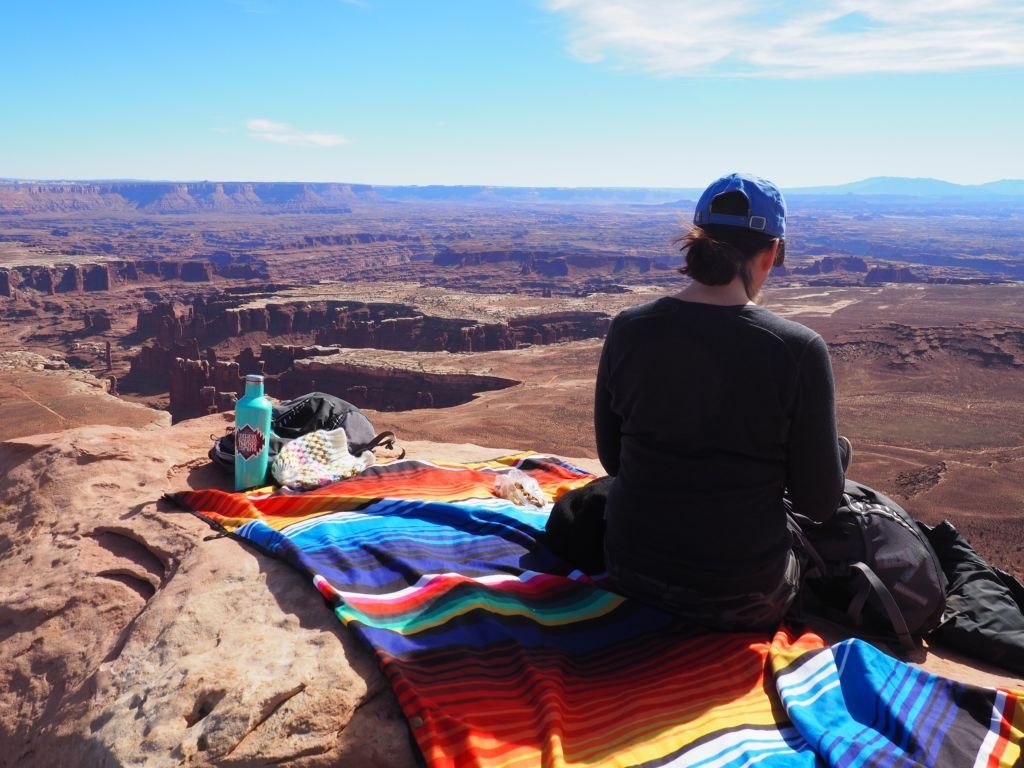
(252, 435)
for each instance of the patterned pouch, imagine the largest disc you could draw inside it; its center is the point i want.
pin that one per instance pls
(318, 458)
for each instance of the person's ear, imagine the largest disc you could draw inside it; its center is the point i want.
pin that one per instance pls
(768, 256)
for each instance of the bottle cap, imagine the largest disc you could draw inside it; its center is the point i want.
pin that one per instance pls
(254, 377)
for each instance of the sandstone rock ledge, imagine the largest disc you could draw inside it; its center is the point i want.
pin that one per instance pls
(128, 637)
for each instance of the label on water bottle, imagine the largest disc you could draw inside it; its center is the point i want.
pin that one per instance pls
(249, 442)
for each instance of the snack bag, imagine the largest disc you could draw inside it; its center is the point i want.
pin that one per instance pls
(519, 488)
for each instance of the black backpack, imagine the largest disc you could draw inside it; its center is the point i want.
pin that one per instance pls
(303, 415)
(872, 565)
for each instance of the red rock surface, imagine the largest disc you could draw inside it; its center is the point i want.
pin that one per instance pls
(129, 637)
(75, 278)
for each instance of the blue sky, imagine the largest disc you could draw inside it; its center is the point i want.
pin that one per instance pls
(538, 92)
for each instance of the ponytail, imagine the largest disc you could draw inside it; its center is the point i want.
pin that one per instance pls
(716, 254)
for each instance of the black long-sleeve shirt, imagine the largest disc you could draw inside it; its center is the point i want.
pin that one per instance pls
(704, 415)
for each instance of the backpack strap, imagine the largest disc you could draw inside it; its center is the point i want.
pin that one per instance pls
(387, 439)
(874, 585)
(806, 552)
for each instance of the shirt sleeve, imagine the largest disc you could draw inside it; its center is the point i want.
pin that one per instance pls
(607, 424)
(814, 472)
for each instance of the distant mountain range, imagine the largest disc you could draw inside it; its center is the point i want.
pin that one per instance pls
(19, 197)
(906, 187)
(25, 196)
(894, 186)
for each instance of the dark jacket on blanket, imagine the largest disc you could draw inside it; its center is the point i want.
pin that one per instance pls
(984, 615)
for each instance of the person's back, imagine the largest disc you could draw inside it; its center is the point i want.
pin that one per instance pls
(705, 443)
(705, 412)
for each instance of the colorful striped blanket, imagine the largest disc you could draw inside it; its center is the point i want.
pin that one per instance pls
(501, 654)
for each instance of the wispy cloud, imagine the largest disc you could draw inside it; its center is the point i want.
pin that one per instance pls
(795, 38)
(282, 133)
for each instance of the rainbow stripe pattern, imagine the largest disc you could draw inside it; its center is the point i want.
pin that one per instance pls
(501, 654)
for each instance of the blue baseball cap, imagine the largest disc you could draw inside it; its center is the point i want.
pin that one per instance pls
(767, 211)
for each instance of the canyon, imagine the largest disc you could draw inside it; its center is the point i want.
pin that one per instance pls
(76, 278)
(469, 323)
(183, 355)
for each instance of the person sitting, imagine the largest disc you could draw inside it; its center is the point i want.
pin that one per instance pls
(710, 411)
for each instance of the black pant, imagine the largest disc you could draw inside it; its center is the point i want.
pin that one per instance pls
(752, 611)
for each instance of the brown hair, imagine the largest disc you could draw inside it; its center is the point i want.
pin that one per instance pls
(717, 253)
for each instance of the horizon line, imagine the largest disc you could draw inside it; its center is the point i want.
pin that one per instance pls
(112, 180)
